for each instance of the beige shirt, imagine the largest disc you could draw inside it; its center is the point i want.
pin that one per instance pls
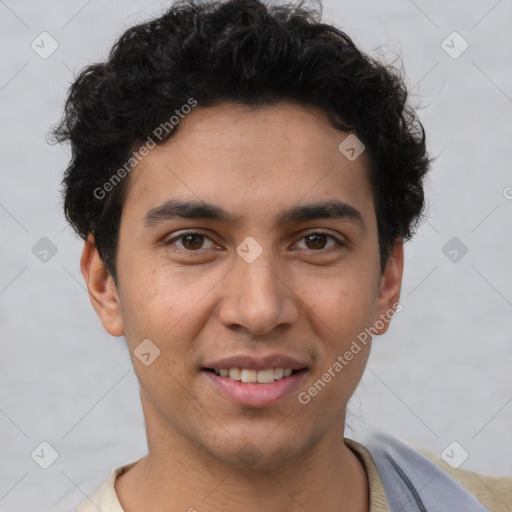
(495, 493)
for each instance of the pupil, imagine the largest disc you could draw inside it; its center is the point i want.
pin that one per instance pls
(196, 245)
(317, 239)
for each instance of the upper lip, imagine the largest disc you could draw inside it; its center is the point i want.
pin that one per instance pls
(252, 362)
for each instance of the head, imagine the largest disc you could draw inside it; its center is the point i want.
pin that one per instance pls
(221, 124)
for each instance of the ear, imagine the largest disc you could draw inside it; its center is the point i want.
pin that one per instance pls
(389, 288)
(102, 290)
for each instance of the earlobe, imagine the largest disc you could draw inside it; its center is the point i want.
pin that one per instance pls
(102, 290)
(390, 287)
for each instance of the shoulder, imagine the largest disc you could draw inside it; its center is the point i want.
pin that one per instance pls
(493, 492)
(105, 497)
(408, 475)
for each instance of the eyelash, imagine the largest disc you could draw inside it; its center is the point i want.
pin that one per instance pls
(338, 242)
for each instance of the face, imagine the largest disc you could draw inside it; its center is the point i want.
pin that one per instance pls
(248, 235)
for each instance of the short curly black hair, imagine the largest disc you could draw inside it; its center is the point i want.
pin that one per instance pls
(246, 51)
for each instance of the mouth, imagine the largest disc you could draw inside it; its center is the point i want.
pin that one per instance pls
(255, 388)
(248, 375)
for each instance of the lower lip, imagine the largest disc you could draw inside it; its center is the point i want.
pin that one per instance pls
(256, 395)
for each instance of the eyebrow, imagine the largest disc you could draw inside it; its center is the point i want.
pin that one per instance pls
(200, 210)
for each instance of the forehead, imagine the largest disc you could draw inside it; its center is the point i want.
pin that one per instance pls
(252, 161)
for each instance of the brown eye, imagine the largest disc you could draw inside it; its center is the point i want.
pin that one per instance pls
(321, 243)
(192, 242)
(316, 241)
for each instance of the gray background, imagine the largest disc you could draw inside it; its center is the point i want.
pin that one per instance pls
(442, 373)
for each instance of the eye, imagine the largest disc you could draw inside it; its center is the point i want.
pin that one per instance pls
(194, 241)
(318, 241)
(191, 241)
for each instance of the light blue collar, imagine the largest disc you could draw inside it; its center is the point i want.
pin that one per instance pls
(415, 484)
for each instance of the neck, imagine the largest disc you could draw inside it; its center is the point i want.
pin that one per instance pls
(179, 476)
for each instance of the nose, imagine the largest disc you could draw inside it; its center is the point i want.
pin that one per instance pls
(257, 298)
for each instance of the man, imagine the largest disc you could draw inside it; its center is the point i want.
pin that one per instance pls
(244, 179)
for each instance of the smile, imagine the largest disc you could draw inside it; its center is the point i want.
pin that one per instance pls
(255, 388)
(249, 375)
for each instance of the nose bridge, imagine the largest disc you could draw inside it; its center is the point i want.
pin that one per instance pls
(257, 298)
(259, 279)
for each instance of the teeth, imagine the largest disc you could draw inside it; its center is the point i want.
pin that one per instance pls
(278, 373)
(261, 376)
(265, 376)
(234, 373)
(248, 375)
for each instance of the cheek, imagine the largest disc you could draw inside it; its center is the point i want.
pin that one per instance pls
(343, 302)
(158, 303)
(160, 311)
(341, 308)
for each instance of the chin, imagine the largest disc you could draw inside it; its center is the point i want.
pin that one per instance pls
(253, 454)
